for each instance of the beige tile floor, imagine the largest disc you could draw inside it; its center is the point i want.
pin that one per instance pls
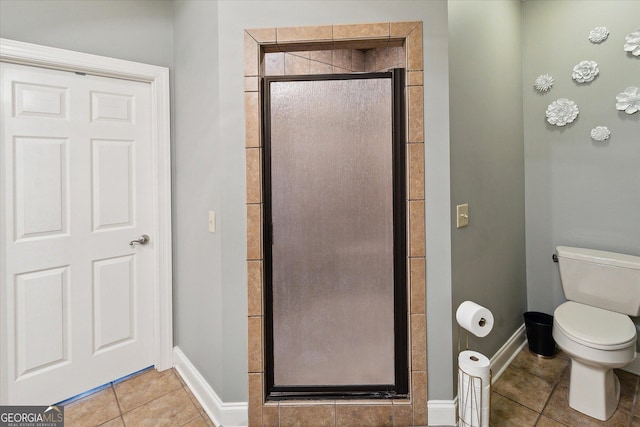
(531, 392)
(534, 392)
(150, 398)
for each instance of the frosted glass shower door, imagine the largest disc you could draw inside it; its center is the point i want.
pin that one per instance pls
(334, 236)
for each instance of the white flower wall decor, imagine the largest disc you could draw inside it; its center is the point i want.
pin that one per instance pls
(562, 111)
(633, 43)
(543, 82)
(598, 35)
(629, 100)
(585, 71)
(600, 133)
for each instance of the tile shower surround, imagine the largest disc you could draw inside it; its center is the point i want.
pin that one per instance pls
(323, 50)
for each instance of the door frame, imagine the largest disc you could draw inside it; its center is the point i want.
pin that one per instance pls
(17, 52)
(399, 389)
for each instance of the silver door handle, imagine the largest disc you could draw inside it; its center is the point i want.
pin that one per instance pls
(143, 240)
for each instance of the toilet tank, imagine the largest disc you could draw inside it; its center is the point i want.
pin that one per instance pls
(602, 279)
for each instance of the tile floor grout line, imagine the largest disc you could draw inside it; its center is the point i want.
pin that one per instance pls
(555, 386)
(199, 415)
(518, 403)
(157, 397)
(113, 386)
(113, 390)
(556, 382)
(117, 400)
(195, 403)
(191, 420)
(553, 389)
(634, 403)
(537, 419)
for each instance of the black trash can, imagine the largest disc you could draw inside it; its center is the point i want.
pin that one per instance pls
(539, 333)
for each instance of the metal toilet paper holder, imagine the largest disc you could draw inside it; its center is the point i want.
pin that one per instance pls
(470, 392)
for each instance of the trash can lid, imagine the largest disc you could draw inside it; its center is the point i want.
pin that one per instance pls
(594, 326)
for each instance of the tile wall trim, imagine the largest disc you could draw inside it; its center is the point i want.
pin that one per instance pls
(257, 42)
(234, 414)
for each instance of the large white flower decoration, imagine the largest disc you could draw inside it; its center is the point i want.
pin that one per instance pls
(598, 34)
(633, 43)
(543, 82)
(629, 100)
(585, 71)
(562, 111)
(600, 133)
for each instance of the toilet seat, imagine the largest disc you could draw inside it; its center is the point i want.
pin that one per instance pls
(594, 327)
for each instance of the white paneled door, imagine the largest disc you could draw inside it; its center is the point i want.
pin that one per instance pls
(76, 176)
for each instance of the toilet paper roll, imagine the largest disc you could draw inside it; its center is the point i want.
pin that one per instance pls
(475, 318)
(475, 364)
(474, 388)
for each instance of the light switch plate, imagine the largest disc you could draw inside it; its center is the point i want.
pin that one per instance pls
(463, 215)
(212, 221)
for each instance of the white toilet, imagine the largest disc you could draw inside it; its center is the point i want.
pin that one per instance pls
(593, 327)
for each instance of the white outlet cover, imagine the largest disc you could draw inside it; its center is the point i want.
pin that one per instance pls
(462, 213)
(212, 221)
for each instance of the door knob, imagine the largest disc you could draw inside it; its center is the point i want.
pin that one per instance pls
(143, 240)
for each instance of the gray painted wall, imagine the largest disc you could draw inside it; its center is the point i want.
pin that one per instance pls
(135, 30)
(197, 253)
(578, 192)
(487, 164)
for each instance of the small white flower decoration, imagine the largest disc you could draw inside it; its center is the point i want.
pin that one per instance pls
(562, 111)
(543, 82)
(585, 71)
(600, 133)
(633, 43)
(598, 34)
(629, 100)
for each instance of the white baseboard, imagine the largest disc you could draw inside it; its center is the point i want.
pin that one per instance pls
(634, 366)
(505, 355)
(234, 414)
(442, 412)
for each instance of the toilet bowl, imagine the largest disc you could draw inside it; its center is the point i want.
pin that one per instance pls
(593, 327)
(597, 341)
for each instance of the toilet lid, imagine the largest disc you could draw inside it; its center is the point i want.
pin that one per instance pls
(594, 326)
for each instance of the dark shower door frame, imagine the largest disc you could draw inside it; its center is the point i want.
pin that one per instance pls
(400, 388)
